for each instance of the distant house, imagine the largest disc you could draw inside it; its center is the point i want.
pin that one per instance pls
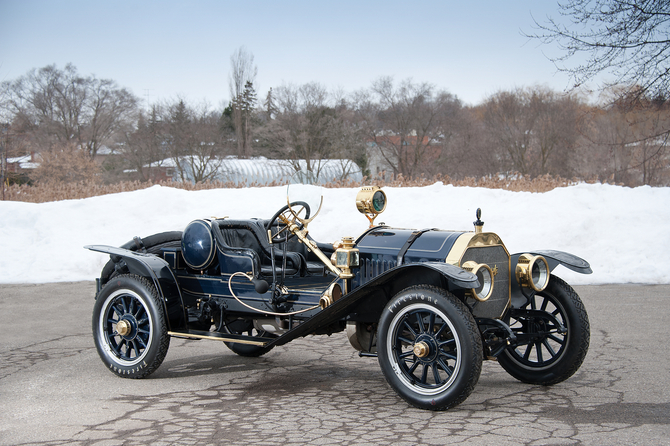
(159, 171)
(22, 164)
(103, 153)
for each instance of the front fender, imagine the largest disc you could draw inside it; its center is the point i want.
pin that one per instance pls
(367, 301)
(157, 270)
(554, 258)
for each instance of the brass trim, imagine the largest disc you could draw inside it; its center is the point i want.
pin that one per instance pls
(472, 240)
(365, 202)
(458, 249)
(331, 295)
(123, 327)
(477, 240)
(311, 246)
(524, 271)
(304, 221)
(215, 338)
(421, 349)
(485, 239)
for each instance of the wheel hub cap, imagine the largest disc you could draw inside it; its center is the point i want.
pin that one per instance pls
(421, 349)
(123, 327)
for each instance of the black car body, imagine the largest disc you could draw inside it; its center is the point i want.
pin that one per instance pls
(431, 305)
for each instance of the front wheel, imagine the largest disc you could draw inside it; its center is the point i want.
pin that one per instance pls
(429, 347)
(544, 354)
(129, 327)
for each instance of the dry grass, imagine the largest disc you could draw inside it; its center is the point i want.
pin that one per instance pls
(69, 191)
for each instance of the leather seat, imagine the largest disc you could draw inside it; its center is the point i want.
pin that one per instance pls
(251, 234)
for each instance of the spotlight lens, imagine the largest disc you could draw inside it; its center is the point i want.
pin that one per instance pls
(379, 201)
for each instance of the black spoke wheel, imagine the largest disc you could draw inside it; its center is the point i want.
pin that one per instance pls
(129, 327)
(429, 348)
(245, 327)
(544, 353)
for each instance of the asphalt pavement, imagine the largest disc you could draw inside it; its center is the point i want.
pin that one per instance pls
(54, 390)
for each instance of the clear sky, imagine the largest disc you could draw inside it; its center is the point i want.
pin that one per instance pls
(162, 49)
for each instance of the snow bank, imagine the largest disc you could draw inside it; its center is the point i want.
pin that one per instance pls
(622, 232)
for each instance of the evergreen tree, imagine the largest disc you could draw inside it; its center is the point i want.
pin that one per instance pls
(243, 107)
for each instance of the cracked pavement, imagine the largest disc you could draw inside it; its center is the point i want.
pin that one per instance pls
(54, 389)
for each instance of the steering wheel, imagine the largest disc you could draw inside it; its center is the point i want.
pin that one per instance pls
(288, 216)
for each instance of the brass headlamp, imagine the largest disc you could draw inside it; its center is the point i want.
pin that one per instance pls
(532, 272)
(485, 276)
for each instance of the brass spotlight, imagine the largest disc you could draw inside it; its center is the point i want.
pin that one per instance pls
(371, 201)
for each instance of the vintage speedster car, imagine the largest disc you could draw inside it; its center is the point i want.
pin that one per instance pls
(431, 305)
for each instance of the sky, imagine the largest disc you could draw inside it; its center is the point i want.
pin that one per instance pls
(161, 50)
(44, 242)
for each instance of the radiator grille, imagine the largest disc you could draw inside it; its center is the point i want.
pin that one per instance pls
(497, 258)
(369, 268)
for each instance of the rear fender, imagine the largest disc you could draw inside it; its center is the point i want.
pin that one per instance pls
(156, 270)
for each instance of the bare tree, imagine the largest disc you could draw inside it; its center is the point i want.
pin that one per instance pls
(63, 106)
(193, 139)
(241, 83)
(144, 150)
(4, 149)
(308, 126)
(406, 124)
(109, 111)
(466, 152)
(300, 128)
(629, 39)
(625, 141)
(532, 129)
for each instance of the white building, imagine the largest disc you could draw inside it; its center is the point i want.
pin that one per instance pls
(262, 171)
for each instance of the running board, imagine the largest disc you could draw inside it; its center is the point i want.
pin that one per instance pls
(215, 336)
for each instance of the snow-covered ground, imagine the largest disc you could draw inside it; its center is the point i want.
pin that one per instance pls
(622, 232)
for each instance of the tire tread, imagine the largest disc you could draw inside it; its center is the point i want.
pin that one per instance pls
(475, 359)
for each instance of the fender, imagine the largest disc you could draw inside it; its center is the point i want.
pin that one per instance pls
(554, 258)
(369, 299)
(157, 270)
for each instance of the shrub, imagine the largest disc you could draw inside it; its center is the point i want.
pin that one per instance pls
(89, 187)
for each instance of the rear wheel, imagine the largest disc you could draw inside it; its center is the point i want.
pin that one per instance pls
(544, 355)
(244, 327)
(429, 348)
(129, 327)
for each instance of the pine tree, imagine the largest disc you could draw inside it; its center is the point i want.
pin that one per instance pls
(243, 107)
